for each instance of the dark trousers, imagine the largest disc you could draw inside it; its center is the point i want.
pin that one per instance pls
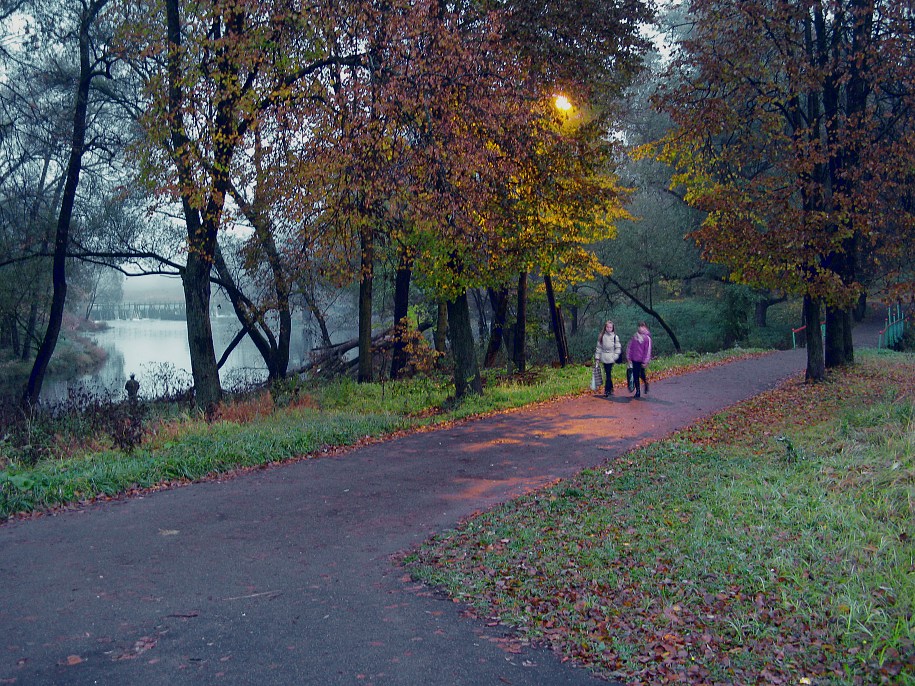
(608, 385)
(638, 372)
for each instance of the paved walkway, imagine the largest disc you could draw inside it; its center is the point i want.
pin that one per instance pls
(284, 575)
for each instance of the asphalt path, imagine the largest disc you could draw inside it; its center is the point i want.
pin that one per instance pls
(288, 575)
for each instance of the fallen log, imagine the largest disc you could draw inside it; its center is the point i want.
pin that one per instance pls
(328, 360)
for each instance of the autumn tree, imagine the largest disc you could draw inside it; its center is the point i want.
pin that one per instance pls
(413, 138)
(406, 119)
(213, 76)
(794, 133)
(567, 200)
(589, 52)
(474, 160)
(466, 122)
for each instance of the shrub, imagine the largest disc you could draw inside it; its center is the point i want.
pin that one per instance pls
(421, 357)
(735, 313)
(88, 420)
(907, 342)
(244, 410)
(165, 381)
(698, 324)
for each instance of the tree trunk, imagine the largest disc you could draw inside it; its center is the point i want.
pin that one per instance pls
(860, 311)
(441, 328)
(839, 350)
(401, 311)
(562, 331)
(32, 389)
(15, 341)
(480, 303)
(258, 214)
(91, 304)
(312, 304)
(329, 361)
(365, 307)
(762, 308)
(238, 338)
(202, 227)
(845, 156)
(520, 347)
(12, 326)
(196, 282)
(29, 333)
(821, 104)
(460, 333)
(279, 348)
(249, 318)
(273, 348)
(558, 333)
(282, 352)
(816, 365)
(499, 301)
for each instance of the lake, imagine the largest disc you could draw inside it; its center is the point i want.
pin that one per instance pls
(156, 351)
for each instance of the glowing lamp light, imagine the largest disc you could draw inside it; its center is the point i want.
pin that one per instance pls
(562, 103)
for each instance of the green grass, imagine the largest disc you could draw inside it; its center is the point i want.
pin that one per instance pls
(305, 419)
(770, 544)
(197, 451)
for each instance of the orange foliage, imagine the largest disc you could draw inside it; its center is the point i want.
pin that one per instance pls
(246, 410)
(794, 125)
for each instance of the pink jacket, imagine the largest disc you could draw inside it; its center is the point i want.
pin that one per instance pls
(639, 348)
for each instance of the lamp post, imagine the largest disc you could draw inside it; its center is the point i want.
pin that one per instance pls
(564, 105)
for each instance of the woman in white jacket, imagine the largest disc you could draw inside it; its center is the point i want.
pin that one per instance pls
(608, 352)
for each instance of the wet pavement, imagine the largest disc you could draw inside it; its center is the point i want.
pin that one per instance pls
(287, 575)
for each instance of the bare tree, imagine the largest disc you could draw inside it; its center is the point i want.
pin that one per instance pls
(79, 30)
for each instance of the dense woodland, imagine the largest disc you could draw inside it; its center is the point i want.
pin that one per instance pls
(284, 153)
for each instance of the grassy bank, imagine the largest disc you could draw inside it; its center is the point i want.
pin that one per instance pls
(74, 355)
(77, 460)
(772, 543)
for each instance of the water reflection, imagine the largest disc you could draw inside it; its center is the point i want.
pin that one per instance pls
(150, 348)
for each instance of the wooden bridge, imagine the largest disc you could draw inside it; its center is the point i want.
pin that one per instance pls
(144, 310)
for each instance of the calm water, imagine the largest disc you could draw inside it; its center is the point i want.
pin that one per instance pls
(156, 351)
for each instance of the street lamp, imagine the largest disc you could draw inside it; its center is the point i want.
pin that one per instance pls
(562, 103)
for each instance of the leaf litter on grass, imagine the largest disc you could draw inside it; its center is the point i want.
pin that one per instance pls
(715, 557)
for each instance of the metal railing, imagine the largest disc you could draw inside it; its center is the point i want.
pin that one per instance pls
(795, 332)
(892, 333)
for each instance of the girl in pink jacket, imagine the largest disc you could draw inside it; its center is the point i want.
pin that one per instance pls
(638, 352)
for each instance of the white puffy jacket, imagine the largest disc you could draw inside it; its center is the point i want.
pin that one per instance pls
(608, 348)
